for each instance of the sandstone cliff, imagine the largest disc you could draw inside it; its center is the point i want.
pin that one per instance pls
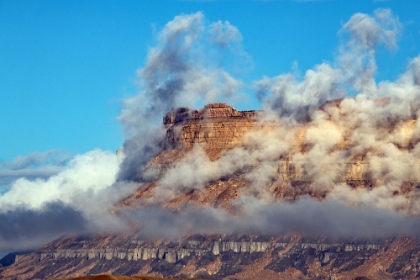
(217, 126)
(220, 131)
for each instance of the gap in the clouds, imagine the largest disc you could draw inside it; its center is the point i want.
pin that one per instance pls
(4, 189)
(390, 64)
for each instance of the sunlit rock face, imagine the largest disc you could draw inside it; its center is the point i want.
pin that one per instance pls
(335, 148)
(217, 126)
(218, 158)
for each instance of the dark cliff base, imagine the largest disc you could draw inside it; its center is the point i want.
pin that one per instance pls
(224, 257)
(117, 277)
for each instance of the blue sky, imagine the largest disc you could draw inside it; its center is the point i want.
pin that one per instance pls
(65, 65)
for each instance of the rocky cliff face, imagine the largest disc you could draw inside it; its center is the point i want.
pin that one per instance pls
(218, 129)
(224, 257)
(217, 126)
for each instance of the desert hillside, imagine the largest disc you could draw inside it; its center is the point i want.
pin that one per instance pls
(246, 195)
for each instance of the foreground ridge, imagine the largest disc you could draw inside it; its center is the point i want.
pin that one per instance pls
(221, 257)
(119, 277)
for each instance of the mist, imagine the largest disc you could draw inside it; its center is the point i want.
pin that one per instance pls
(370, 123)
(371, 126)
(179, 72)
(306, 217)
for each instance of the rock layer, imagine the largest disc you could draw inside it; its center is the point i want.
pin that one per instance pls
(223, 257)
(218, 128)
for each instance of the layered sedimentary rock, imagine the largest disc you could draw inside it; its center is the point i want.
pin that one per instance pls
(225, 257)
(218, 129)
(218, 126)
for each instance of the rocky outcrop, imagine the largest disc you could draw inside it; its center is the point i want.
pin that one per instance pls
(218, 126)
(12, 258)
(210, 111)
(213, 257)
(354, 171)
(223, 257)
(171, 255)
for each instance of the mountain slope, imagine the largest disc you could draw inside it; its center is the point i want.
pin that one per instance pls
(244, 195)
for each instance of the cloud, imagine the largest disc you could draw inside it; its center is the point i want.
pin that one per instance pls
(32, 166)
(93, 171)
(8, 176)
(291, 95)
(24, 228)
(306, 216)
(321, 141)
(367, 31)
(370, 127)
(35, 158)
(357, 57)
(335, 121)
(286, 96)
(78, 199)
(179, 72)
(223, 33)
(259, 156)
